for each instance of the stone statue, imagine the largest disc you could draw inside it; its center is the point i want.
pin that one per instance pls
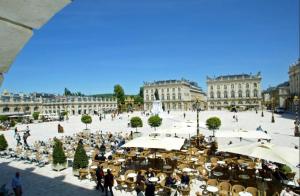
(156, 95)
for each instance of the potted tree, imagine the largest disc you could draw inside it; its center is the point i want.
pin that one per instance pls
(81, 160)
(155, 121)
(136, 122)
(3, 143)
(35, 116)
(213, 124)
(59, 158)
(86, 119)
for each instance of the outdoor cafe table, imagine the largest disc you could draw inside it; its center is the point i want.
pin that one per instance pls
(245, 193)
(188, 170)
(212, 189)
(194, 159)
(201, 151)
(221, 162)
(131, 175)
(93, 167)
(217, 174)
(121, 160)
(153, 179)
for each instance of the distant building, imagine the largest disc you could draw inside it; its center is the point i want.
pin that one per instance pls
(277, 96)
(174, 94)
(234, 91)
(18, 103)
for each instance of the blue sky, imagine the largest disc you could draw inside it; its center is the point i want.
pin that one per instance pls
(93, 44)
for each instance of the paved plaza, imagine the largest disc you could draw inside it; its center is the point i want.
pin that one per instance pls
(44, 181)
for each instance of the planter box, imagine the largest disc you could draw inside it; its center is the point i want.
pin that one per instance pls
(59, 167)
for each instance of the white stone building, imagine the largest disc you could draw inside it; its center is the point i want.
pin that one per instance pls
(174, 94)
(18, 104)
(239, 91)
(294, 80)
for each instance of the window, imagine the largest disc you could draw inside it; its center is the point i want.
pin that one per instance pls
(232, 86)
(179, 89)
(162, 96)
(147, 91)
(147, 97)
(255, 93)
(162, 90)
(179, 96)
(219, 94)
(173, 96)
(247, 93)
(151, 90)
(240, 94)
(255, 85)
(211, 87)
(240, 86)
(212, 95)
(232, 94)
(247, 85)
(173, 89)
(167, 89)
(152, 97)
(168, 96)
(218, 87)
(225, 94)
(225, 86)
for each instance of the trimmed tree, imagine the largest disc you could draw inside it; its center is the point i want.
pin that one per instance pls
(35, 115)
(81, 160)
(155, 121)
(136, 122)
(86, 119)
(59, 156)
(3, 143)
(213, 124)
(3, 118)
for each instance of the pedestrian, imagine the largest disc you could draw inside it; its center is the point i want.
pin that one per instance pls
(25, 136)
(17, 137)
(108, 182)
(16, 184)
(183, 115)
(99, 175)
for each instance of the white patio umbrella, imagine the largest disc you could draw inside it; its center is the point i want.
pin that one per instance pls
(17, 21)
(166, 143)
(267, 151)
(244, 134)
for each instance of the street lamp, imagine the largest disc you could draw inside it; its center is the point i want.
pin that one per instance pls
(198, 110)
(296, 103)
(273, 119)
(262, 108)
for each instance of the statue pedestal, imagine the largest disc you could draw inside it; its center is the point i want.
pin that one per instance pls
(157, 107)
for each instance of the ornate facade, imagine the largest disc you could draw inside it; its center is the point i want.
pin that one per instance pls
(174, 94)
(239, 91)
(11, 104)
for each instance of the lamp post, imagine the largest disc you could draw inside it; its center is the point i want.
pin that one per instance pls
(262, 108)
(296, 103)
(198, 110)
(273, 119)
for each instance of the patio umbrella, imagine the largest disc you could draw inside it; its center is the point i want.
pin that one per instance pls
(266, 151)
(243, 134)
(17, 21)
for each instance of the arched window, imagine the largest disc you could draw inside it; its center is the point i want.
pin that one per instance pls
(168, 96)
(162, 96)
(173, 96)
(247, 85)
(240, 86)
(255, 85)
(219, 94)
(147, 97)
(247, 93)
(212, 95)
(225, 86)
(232, 86)
(240, 94)
(225, 94)
(232, 94)
(255, 93)
(5, 109)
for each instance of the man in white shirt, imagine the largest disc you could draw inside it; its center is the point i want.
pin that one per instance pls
(287, 192)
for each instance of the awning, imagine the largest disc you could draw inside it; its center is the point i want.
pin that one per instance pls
(166, 143)
(17, 20)
(243, 134)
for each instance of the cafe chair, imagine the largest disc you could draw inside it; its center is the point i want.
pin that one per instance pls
(224, 188)
(236, 189)
(252, 190)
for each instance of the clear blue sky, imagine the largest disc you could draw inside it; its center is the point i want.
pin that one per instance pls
(93, 44)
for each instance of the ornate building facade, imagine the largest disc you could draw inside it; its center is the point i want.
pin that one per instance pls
(234, 91)
(14, 104)
(174, 94)
(294, 80)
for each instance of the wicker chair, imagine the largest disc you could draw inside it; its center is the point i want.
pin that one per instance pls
(224, 188)
(252, 190)
(212, 182)
(236, 189)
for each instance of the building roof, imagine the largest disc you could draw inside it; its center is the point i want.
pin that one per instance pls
(235, 76)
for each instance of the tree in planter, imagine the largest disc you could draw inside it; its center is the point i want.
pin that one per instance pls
(155, 121)
(86, 119)
(3, 143)
(35, 115)
(59, 156)
(136, 122)
(213, 124)
(81, 160)
(3, 118)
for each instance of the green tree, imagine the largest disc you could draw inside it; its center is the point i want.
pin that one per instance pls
(58, 155)
(3, 118)
(35, 115)
(141, 93)
(119, 93)
(86, 119)
(3, 143)
(138, 100)
(81, 160)
(136, 122)
(213, 124)
(155, 121)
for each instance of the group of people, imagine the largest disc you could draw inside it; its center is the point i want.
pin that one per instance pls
(108, 180)
(26, 134)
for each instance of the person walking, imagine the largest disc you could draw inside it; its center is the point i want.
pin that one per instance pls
(99, 175)
(16, 184)
(17, 137)
(108, 182)
(25, 136)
